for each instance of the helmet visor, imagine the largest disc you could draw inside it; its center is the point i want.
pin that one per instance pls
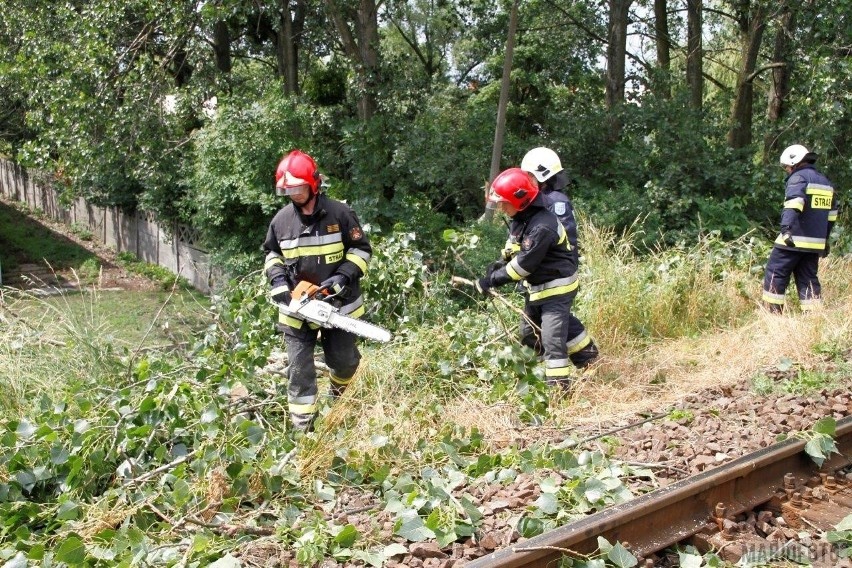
(293, 190)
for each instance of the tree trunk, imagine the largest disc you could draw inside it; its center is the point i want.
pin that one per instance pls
(616, 53)
(362, 49)
(664, 46)
(500, 128)
(694, 53)
(779, 88)
(222, 46)
(287, 44)
(752, 24)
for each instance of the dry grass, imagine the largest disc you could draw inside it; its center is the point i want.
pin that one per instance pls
(634, 374)
(661, 374)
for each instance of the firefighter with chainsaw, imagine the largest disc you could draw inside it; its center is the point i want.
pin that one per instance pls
(544, 164)
(810, 210)
(317, 240)
(545, 264)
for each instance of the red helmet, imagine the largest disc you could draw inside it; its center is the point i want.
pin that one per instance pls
(514, 187)
(295, 170)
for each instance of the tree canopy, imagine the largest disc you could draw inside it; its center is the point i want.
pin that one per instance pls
(672, 113)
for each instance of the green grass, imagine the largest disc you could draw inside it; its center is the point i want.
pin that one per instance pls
(130, 319)
(24, 239)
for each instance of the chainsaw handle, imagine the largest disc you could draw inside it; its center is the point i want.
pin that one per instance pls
(305, 289)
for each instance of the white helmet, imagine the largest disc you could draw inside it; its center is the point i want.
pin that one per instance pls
(795, 154)
(542, 162)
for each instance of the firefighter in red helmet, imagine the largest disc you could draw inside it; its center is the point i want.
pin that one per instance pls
(544, 264)
(553, 181)
(319, 240)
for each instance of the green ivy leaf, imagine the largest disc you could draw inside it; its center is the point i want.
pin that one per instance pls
(71, 551)
(347, 536)
(845, 524)
(621, 557)
(826, 426)
(394, 549)
(547, 503)
(411, 527)
(814, 449)
(529, 527)
(69, 510)
(210, 414)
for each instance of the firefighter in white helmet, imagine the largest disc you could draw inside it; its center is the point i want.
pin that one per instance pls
(545, 166)
(810, 210)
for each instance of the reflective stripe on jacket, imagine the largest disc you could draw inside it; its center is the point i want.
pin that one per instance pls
(314, 247)
(544, 261)
(810, 209)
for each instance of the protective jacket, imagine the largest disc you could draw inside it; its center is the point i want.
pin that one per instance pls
(544, 261)
(810, 210)
(557, 201)
(314, 247)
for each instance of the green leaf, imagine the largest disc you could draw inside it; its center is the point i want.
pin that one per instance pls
(68, 510)
(814, 449)
(621, 557)
(826, 426)
(394, 549)
(210, 414)
(379, 441)
(71, 551)
(529, 527)
(347, 537)
(411, 527)
(25, 429)
(376, 559)
(845, 524)
(547, 503)
(688, 560)
(181, 493)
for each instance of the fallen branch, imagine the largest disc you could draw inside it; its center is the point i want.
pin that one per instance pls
(502, 299)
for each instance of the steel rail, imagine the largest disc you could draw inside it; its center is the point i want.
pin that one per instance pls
(661, 518)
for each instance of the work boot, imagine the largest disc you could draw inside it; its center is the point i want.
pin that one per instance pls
(774, 308)
(585, 356)
(303, 423)
(335, 391)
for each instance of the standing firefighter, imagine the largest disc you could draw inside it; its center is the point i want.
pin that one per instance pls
(544, 263)
(552, 179)
(810, 210)
(318, 240)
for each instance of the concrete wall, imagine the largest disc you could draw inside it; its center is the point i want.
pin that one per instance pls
(173, 247)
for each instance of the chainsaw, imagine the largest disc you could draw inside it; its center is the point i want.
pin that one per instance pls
(310, 303)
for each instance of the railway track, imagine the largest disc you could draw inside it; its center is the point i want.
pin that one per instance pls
(701, 509)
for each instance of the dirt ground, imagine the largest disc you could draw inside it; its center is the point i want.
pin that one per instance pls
(31, 273)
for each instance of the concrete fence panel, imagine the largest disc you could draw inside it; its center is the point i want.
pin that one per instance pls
(139, 233)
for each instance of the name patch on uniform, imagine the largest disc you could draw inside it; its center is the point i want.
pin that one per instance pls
(356, 233)
(821, 202)
(332, 228)
(332, 258)
(559, 208)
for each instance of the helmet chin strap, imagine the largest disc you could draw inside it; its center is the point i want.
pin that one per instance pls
(307, 208)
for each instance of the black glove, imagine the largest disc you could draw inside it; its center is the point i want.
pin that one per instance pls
(334, 283)
(280, 293)
(483, 285)
(824, 253)
(281, 296)
(788, 239)
(494, 267)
